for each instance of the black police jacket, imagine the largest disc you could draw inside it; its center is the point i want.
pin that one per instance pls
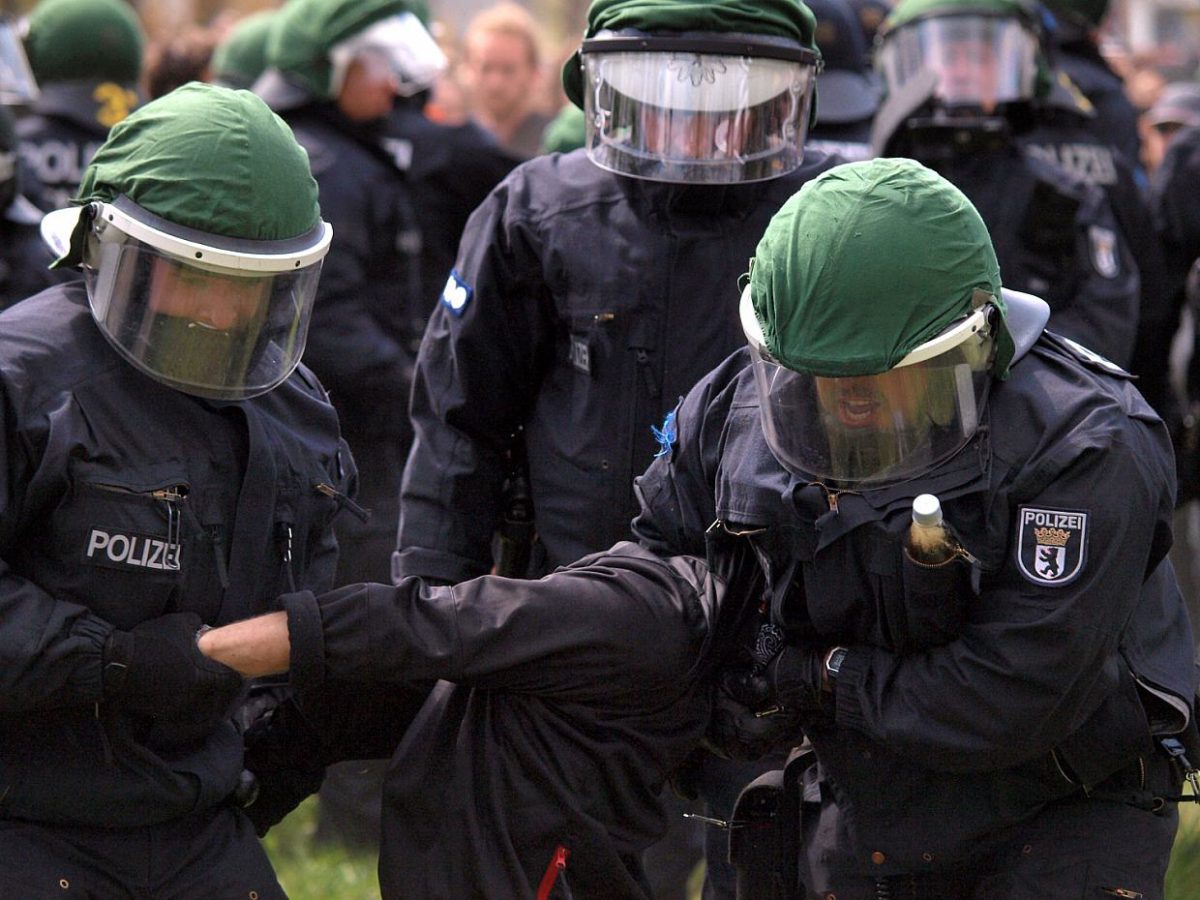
(1074, 645)
(122, 500)
(541, 766)
(370, 309)
(581, 307)
(1055, 237)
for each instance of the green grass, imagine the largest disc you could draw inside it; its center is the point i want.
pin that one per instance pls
(309, 872)
(326, 873)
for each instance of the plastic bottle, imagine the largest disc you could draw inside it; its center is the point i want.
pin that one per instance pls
(929, 541)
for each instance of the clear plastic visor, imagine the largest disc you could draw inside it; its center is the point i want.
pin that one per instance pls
(17, 84)
(873, 430)
(980, 61)
(214, 333)
(692, 117)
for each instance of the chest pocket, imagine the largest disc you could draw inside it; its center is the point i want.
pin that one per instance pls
(124, 543)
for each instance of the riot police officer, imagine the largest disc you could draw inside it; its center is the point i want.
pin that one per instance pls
(167, 464)
(589, 289)
(1004, 739)
(848, 87)
(963, 79)
(334, 71)
(87, 58)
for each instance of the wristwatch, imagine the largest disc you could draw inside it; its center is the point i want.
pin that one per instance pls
(833, 662)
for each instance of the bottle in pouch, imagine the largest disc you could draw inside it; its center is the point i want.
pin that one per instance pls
(937, 583)
(929, 540)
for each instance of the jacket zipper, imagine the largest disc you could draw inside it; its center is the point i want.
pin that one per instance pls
(342, 500)
(283, 536)
(171, 496)
(555, 872)
(216, 534)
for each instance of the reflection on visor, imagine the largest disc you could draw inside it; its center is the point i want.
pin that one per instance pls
(980, 61)
(876, 429)
(17, 85)
(208, 333)
(695, 117)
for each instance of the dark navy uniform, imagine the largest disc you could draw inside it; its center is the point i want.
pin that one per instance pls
(1061, 135)
(1055, 236)
(368, 318)
(962, 766)
(66, 125)
(581, 307)
(539, 771)
(122, 500)
(1115, 120)
(450, 169)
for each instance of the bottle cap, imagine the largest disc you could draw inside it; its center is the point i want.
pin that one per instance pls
(927, 510)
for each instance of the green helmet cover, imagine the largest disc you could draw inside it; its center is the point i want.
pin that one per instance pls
(776, 18)
(73, 40)
(209, 158)
(867, 262)
(242, 56)
(304, 31)
(566, 132)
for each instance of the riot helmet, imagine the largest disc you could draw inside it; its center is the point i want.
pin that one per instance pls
(18, 87)
(201, 242)
(985, 54)
(876, 324)
(312, 45)
(713, 93)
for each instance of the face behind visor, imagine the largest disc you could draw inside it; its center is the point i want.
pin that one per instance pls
(216, 317)
(696, 107)
(981, 61)
(866, 431)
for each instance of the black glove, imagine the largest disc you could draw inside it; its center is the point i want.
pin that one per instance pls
(748, 731)
(157, 670)
(282, 755)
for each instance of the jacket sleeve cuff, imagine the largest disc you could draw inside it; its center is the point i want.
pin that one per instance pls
(851, 679)
(307, 639)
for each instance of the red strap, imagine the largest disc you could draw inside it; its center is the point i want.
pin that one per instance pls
(558, 865)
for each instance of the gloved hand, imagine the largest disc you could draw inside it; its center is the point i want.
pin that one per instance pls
(762, 708)
(157, 670)
(280, 755)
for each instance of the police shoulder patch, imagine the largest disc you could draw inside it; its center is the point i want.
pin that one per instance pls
(1051, 544)
(457, 294)
(1105, 259)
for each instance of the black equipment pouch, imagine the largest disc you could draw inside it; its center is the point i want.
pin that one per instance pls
(764, 832)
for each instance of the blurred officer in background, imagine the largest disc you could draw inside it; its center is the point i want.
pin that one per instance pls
(167, 463)
(87, 58)
(24, 257)
(334, 71)
(241, 56)
(1074, 35)
(848, 88)
(1002, 740)
(963, 78)
(590, 289)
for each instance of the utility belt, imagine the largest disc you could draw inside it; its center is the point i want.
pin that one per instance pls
(765, 827)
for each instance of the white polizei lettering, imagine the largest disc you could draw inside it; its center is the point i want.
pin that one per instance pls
(134, 550)
(98, 540)
(1044, 518)
(118, 555)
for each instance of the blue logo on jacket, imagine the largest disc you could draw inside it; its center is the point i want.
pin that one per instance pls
(457, 294)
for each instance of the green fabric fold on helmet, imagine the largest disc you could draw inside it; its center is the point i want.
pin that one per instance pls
(74, 40)
(242, 56)
(775, 18)
(567, 131)
(209, 158)
(865, 263)
(304, 31)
